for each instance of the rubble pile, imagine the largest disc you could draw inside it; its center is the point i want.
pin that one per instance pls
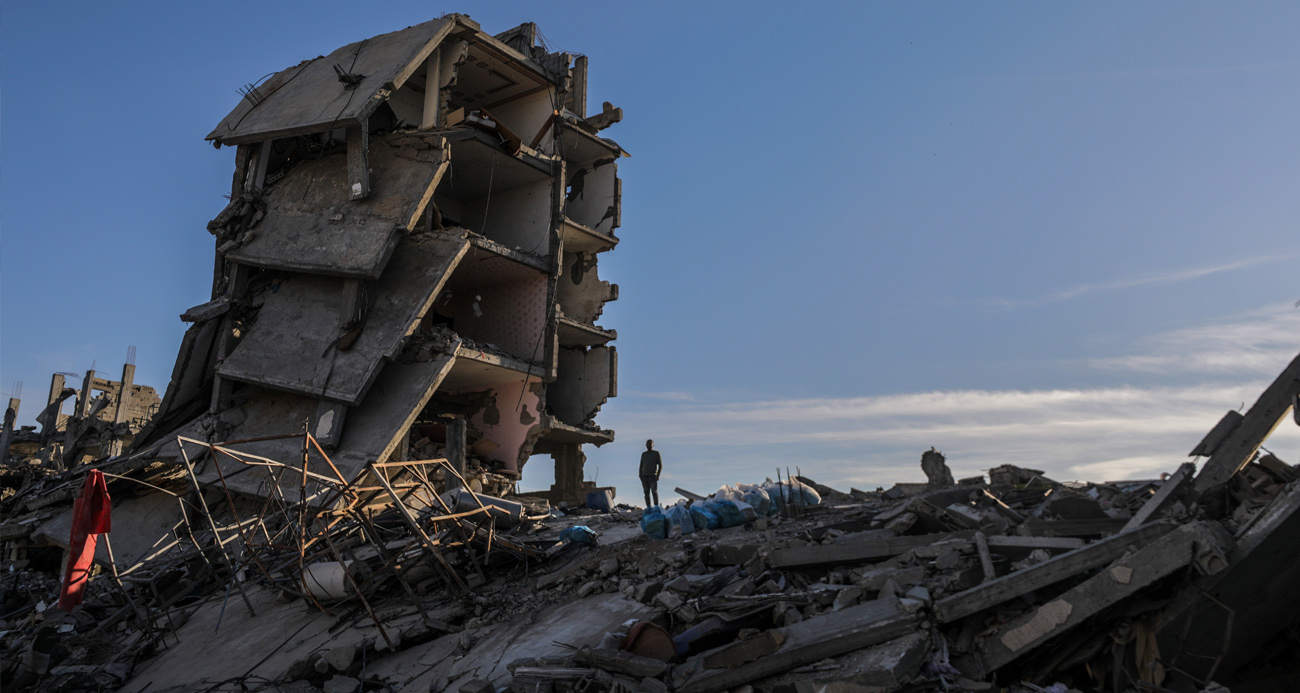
(403, 579)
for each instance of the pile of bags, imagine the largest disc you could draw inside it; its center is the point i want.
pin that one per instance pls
(728, 507)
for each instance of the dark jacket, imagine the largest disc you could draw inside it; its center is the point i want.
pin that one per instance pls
(651, 463)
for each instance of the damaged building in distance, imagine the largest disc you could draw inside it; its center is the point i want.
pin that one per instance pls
(408, 263)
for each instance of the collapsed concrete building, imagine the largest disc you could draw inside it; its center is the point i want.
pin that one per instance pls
(408, 264)
(105, 419)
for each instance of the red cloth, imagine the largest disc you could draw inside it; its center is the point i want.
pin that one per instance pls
(91, 516)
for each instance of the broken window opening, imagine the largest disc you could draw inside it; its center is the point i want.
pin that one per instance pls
(538, 474)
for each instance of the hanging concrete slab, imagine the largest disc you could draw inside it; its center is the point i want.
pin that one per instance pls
(290, 347)
(371, 432)
(312, 226)
(374, 429)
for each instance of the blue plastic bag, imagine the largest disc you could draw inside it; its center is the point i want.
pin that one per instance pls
(703, 517)
(579, 534)
(729, 514)
(653, 523)
(679, 520)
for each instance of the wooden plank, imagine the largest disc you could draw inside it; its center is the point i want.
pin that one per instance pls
(1163, 496)
(1240, 445)
(809, 641)
(1048, 572)
(856, 552)
(1119, 581)
(449, 573)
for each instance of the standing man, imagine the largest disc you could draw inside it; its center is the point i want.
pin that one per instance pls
(651, 465)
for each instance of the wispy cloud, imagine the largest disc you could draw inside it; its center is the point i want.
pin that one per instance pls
(1094, 434)
(1090, 434)
(1259, 342)
(1168, 277)
(667, 396)
(1149, 73)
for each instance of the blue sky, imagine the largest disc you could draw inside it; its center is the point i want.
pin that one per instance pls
(1052, 234)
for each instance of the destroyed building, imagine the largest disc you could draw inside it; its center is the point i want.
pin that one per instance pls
(106, 416)
(404, 306)
(408, 263)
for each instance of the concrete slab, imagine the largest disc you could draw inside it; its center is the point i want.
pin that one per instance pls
(312, 226)
(295, 344)
(309, 97)
(144, 525)
(577, 623)
(268, 645)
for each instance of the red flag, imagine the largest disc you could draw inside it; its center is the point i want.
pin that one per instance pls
(91, 516)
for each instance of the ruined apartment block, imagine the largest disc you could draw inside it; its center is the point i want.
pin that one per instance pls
(106, 415)
(408, 264)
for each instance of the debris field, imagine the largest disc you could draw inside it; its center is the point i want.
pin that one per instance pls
(403, 313)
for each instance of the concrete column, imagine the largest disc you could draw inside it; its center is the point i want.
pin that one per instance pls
(11, 414)
(432, 88)
(456, 450)
(123, 400)
(56, 395)
(569, 461)
(78, 414)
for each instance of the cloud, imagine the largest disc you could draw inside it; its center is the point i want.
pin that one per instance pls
(1090, 434)
(1258, 342)
(668, 396)
(1085, 434)
(1170, 277)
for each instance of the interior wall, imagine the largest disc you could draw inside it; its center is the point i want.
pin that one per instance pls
(584, 381)
(519, 218)
(526, 116)
(511, 316)
(508, 420)
(581, 294)
(408, 104)
(596, 206)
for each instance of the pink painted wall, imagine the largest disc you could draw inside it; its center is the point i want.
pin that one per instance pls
(517, 417)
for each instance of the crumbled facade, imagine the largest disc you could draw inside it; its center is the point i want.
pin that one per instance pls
(408, 264)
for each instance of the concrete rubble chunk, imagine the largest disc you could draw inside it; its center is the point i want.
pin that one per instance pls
(936, 469)
(342, 684)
